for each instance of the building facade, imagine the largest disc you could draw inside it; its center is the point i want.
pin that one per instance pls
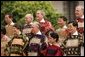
(67, 8)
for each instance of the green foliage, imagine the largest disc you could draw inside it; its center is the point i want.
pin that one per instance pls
(20, 8)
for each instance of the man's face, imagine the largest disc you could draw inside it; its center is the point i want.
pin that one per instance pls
(39, 16)
(7, 19)
(78, 12)
(28, 19)
(61, 22)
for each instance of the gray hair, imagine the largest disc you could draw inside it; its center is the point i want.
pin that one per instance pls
(81, 7)
(30, 16)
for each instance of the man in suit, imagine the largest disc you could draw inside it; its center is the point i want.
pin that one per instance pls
(44, 25)
(79, 13)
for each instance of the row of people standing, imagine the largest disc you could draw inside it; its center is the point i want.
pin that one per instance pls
(35, 40)
(75, 30)
(39, 38)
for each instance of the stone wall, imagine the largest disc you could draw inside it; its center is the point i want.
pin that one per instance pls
(67, 8)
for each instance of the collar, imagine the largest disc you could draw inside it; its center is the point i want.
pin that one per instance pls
(75, 33)
(31, 23)
(57, 44)
(65, 26)
(42, 20)
(82, 17)
(39, 33)
(19, 32)
(12, 23)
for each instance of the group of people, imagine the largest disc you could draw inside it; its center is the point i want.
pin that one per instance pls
(41, 39)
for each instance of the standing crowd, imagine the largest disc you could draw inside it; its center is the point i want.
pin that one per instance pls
(41, 39)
